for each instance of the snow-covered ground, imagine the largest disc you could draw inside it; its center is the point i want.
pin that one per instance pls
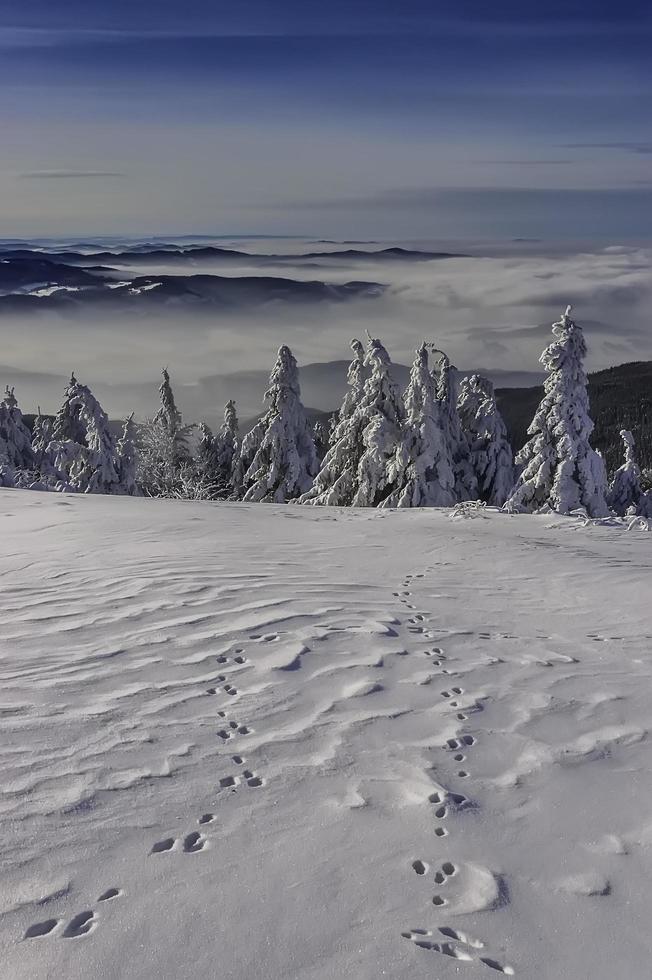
(280, 742)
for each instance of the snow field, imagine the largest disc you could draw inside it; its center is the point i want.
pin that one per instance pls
(271, 741)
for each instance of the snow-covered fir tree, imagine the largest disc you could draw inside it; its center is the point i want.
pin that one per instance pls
(560, 470)
(41, 439)
(320, 435)
(227, 444)
(359, 465)
(67, 424)
(421, 472)
(164, 447)
(127, 458)
(336, 481)
(625, 489)
(16, 450)
(95, 468)
(447, 377)
(277, 459)
(491, 452)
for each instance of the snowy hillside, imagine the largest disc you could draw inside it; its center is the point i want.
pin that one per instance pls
(294, 743)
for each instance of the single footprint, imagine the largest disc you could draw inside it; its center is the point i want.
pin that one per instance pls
(222, 659)
(420, 867)
(226, 781)
(230, 689)
(163, 845)
(109, 894)
(240, 660)
(239, 761)
(80, 925)
(206, 818)
(441, 832)
(194, 842)
(41, 929)
(223, 734)
(461, 937)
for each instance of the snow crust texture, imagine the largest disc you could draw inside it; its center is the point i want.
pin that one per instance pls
(302, 743)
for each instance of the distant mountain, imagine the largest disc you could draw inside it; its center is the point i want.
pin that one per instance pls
(31, 283)
(147, 254)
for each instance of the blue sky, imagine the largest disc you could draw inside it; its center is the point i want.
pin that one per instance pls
(375, 119)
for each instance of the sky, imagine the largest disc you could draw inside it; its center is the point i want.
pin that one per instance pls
(364, 118)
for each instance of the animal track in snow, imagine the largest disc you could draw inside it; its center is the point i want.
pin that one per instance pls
(227, 781)
(206, 818)
(420, 867)
(40, 929)
(423, 939)
(194, 842)
(109, 894)
(80, 925)
(163, 845)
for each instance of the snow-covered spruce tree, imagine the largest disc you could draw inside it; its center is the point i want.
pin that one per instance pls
(358, 467)
(95, 468)
(466, 484)
(560, 470)
(68, 435)
(320, 435)
(625, 489)
(227, 444)
(15, 438)
(491, 453)
(421, 471)
(127, 458)
(277, 459)
(164, 447)
(41, 439)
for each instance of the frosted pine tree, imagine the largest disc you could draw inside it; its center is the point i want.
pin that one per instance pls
(560, 470)
(422, 471)
(227, 444)
(279, 452)
(165, 450)
(625, 489)
(95, 469)
(336, 481)
(491, 453)
(320, 435)
(41, 439)
(358, 467)
(466, 484)
(15, 438)
(127, 456)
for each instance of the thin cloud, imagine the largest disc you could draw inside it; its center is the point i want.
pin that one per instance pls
(642, 148)
(523, 163)
(68, 174)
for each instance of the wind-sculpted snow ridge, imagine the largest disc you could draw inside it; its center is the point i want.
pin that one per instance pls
(310, 743)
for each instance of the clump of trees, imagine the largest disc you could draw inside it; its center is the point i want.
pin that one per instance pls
(441, 443)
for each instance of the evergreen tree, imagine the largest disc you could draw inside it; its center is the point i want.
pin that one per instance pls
(320, 435)
(560, 470)
(422, 471)
(16, 450)
(625, 489)
(164, 447)
(169, 419)
(277, 458)
(95, 468)
(127, 460)
(227, 444)
(68, 426)
(491, 453)
(466, 484)
(358, 467)
(41, 439)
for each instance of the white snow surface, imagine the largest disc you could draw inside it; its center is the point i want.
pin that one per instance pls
(257, 741)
